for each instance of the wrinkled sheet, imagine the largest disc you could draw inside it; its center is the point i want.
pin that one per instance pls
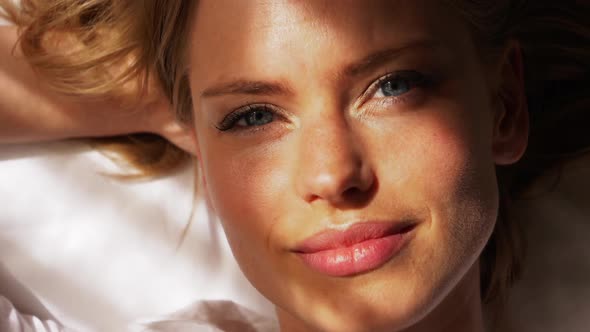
(11, 320)
(102, 254)
(202, 316)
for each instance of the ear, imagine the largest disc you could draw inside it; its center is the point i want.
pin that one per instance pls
(511, 117)
(182, 136)
(186, 139)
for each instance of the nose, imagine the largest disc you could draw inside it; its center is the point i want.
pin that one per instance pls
(332, 165)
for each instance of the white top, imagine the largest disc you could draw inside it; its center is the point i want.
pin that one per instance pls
(204, 316)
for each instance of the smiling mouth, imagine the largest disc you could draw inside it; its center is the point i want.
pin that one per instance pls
(361, 248)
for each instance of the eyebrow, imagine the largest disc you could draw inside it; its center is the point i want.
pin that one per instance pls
(247, 87)
(379, 58)
(274, 88)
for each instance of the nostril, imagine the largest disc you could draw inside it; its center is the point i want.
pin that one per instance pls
(352, 192)
(338, 174)
(356, 194)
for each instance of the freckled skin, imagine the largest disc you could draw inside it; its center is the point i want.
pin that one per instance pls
(331, 160)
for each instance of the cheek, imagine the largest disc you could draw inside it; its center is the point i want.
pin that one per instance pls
(430, 156)
(439, 161)
(243, 189)
(459, 182)
(444, 162)
(451, 174)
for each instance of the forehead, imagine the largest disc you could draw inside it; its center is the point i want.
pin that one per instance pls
(264, 14)
(258, 36)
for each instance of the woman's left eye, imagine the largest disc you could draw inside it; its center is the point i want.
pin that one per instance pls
(395, 85)
(394, 88)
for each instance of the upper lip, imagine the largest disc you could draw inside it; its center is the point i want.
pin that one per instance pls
(356, 233)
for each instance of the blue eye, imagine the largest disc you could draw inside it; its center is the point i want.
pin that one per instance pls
(256, 118)
(394, 87)
(248, 116)
(397, 84)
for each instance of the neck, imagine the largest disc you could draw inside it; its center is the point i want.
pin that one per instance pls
(460, 311)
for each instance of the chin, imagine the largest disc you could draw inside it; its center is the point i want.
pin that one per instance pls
(379, 303)
(375, 318)
(389, 299)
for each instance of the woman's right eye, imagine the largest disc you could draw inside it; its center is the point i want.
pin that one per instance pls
(247, 117)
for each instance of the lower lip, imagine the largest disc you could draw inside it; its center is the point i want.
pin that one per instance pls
(356, 259)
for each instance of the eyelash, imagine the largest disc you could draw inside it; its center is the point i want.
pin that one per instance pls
(230, 121)
(412, 78)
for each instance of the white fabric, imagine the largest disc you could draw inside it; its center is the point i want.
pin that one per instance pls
(101, 253)
(11, 320)
(202, 316)
(213, 316)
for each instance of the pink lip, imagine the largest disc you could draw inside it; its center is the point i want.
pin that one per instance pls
(361, 248)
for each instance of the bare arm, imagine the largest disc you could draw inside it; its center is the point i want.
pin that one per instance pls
(31, 112)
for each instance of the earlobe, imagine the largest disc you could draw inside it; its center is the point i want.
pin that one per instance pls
(183, 137)
(511, 118)
(510, 136)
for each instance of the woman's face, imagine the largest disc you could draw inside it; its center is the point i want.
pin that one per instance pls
(367, 122)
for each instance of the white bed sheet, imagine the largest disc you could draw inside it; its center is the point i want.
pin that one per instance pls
(100, 253)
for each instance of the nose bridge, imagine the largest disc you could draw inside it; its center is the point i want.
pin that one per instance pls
(328, 142)
(331, 160)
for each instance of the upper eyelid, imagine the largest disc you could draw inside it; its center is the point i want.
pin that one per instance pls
(410, 74)
(405, 74)
(258, 106)
(371, 88)
(239, 112)
(250, 107)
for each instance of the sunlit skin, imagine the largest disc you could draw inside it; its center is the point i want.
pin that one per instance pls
(336, 141)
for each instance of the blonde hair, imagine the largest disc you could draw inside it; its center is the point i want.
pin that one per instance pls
(109, 45)
(149, 39)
